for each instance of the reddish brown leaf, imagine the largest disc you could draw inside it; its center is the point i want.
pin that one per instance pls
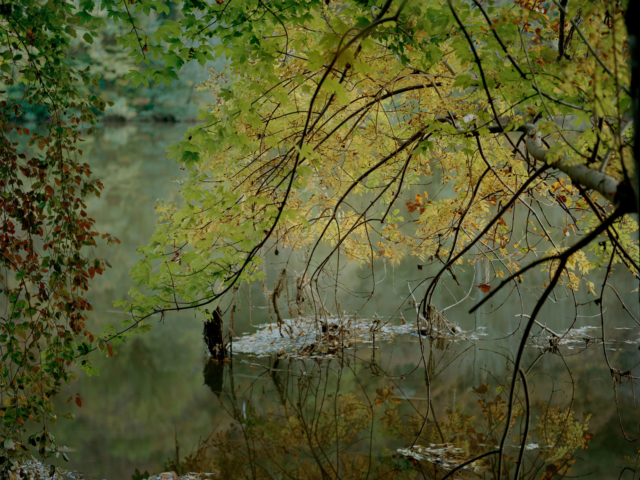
(482, 389)
(484, 287)
(79, 401)
(110, 350)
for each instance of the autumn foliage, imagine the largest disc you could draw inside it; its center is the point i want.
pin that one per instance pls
(46, 234)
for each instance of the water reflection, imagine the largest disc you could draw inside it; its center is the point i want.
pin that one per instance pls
(213, 374)
(347, 417)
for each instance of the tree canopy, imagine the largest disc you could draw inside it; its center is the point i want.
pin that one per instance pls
(329, 115)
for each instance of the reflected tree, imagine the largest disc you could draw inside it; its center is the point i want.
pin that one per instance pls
(329, 423)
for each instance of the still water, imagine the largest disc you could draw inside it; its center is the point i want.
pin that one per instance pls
(160, 404)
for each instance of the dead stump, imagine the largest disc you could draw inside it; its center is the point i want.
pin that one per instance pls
(213, 336)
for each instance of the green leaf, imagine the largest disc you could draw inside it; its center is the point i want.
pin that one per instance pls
(90, 370)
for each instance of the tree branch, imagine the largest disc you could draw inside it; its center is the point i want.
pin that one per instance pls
(619, 193)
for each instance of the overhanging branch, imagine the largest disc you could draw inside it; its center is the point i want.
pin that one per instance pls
(604, 184)
(618, 193)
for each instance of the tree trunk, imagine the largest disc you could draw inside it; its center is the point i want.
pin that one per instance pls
(633, 10)
(214, 337)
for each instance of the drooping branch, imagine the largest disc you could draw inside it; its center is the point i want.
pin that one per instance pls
(429, 292)
(562, 257)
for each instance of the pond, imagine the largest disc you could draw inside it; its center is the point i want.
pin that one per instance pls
(336, 412)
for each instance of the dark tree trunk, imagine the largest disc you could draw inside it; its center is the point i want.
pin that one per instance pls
(214, 337)
(633, 10)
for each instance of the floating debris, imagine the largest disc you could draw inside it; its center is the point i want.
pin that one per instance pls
(311, 338)
(444, 455)
(186, 476)
(576, 337)
(35, 470)
(306, 337)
